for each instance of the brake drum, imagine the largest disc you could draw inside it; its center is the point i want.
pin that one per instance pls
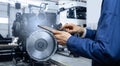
(41, 45)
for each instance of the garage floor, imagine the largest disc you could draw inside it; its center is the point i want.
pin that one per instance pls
(71, 61)
(62, 60)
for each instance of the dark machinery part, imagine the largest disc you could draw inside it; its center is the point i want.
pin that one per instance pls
(16, 25)
(7, 46)
(5, 54)
(6, 50)
(77, 13)
(17, 5)
(5, 40)
(1, 36)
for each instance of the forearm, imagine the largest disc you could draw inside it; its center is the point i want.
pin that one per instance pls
(91, 49)
(90, 34)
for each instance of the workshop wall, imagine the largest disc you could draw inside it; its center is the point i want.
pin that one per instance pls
(6, 30)
(93, 13)
(3, 14)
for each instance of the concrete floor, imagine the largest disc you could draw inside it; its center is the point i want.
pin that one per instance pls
(63, 60)
(6, 64)
(71, 61)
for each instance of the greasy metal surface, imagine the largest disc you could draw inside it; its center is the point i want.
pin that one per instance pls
(7, 46)
(41, 45)
(72, 61)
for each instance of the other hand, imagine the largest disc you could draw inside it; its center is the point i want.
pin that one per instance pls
(72, 28)
(61, 36)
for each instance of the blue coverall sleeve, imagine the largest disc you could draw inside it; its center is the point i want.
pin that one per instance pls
(90, 33)
(86, 48)
(105, 48)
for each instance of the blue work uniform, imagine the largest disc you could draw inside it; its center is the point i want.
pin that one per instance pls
(101, 45)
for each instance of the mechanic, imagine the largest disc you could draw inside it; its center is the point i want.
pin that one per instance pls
(101, 45)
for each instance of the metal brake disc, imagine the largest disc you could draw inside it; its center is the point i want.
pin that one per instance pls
(41, 45)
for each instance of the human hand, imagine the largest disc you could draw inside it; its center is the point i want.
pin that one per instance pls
(72, 28)
(61, 36)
